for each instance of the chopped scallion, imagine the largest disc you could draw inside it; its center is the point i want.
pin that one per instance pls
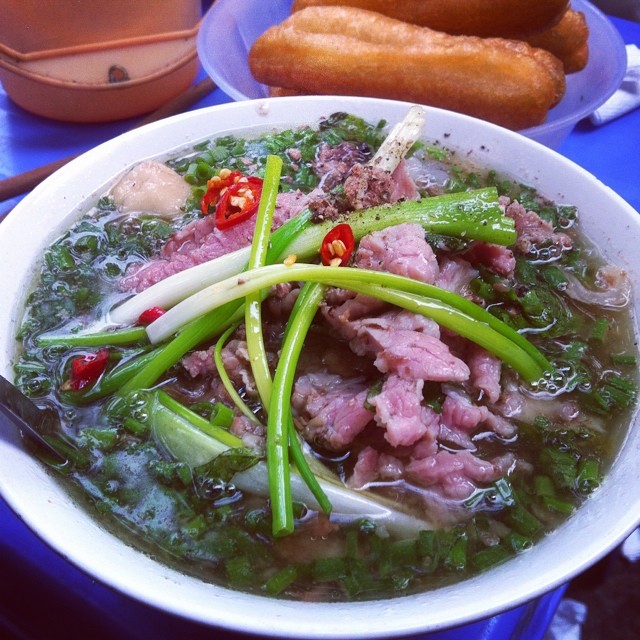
(281, 580)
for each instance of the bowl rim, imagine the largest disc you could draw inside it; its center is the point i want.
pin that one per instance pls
(158, 586)
(107, 45)
(85, 87)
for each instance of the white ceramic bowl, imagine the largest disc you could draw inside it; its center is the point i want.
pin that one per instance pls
(598, 526)
(230, 28)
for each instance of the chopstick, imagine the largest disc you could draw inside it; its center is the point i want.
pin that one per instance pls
(23, 182)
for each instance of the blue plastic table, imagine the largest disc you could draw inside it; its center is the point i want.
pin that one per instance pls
(37, 586)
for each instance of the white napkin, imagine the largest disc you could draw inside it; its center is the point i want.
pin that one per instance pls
(631, 547)
(627, 97)
(567, 621)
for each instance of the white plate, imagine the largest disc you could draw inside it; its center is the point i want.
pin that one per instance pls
(598, 526)
(230, 28)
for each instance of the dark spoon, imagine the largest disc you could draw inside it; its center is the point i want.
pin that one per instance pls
(31, 421)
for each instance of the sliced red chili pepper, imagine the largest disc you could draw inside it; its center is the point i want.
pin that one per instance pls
(239, 202)
(86, 369)
(149, 315)
(215, 186)
(337, 246)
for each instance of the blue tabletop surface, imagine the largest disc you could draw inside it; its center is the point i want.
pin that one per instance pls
(36, 585)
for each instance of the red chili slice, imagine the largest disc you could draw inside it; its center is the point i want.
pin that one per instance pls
(239, 202)
(86, 369)
(149, 315)
(214, 187)
(337, 246)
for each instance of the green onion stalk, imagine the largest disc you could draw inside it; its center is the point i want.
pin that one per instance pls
(253, 301)
(281, 436)
(226, 380)
(473, 215)
(447, 308)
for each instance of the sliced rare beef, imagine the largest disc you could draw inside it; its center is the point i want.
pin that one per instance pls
(404, 187)
(534, 233)
(251, 432)
(455, 274)
(401, 412)
(457, 474)
(200, 242)
(342, 309)
(450, 475)
(402, 250)
(485, 370)
(498, 259)
(461, 418)
(373, 466)
(331, 410)
(410, 354)
(281, 299)
(235, 356)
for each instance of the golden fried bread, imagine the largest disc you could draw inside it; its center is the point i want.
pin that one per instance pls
(487, 18)
(350, 51)
(568, 40)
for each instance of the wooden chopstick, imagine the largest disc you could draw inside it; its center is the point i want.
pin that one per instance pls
(23, 182)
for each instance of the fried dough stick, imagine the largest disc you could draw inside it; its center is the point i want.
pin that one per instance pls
(489, 18)
(568, 41)
(348, 51)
